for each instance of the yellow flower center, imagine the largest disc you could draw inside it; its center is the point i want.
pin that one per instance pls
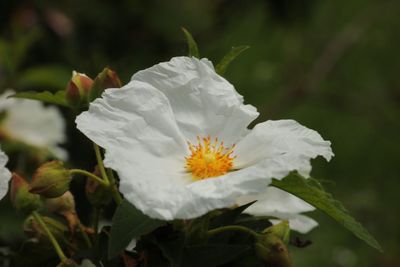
(209, 159)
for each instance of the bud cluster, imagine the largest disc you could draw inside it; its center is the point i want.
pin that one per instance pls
(81, 89)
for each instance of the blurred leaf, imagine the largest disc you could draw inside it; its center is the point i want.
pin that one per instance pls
(229, 217)
(192, 45)
(172, 249)
(316, 196)
(211, 255)
(44, 77)
(257, 224)
(57, 98)
(228, 58)
(129, 223)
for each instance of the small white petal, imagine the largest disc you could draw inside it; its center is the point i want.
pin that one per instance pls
(283, 144)
(282, 205)
(299, 223)
(5, 175)
(203, 102)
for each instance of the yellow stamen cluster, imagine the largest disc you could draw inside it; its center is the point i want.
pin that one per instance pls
(209, 159)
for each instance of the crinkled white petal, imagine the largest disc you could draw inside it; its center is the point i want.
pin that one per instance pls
(145, 125)
(283, 145)
(203, 102)
(5, 175)
(146, 143)
(33, 123)
(281, 205)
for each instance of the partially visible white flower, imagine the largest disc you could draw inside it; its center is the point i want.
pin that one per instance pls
(177, 136)
(281, 205)
(33, 123)
(5, 175)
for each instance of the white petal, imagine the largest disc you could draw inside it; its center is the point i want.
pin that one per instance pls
(5, 175)
(31, 122)
(283, 145)
(299, 223)
(282, 205)
(274, 201)
(203, 102)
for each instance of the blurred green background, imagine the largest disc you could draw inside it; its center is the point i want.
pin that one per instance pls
(332, 65)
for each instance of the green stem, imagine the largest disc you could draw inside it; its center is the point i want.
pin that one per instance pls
(236, 228)
(109, 179)
(100, 162)
(90, 175)
(52, 239)
(114, 188)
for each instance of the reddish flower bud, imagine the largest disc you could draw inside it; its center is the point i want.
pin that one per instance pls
(21, 198)
(65, 206)
(50, 180)
(78, 88)
(105, 79)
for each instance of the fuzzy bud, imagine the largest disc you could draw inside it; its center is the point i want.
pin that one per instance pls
(105, 79)
(51, 180)
(78, 88)
(281, 230)
(21, 198)
(65, 206)
(271, 249)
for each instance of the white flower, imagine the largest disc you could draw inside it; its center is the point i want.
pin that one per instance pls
(5, 175)
(31, 122)
(279, 204)
(177, 136)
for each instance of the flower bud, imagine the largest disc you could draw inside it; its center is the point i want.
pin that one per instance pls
(21, 198)
(105, 79)
(64, 203)
(78, 88)
(281, 230)
(97, 194)
(271, 249)
(65, 206)
(50, 180)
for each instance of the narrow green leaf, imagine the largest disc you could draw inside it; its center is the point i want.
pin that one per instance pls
(229, 217)
(316, 196)
(129, 223)
(57, 98)
(192, 45)
(228, 58)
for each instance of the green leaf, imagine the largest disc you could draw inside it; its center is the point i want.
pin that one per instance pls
(309, 191)
(192, 45)
(57, 98)
(129, 223)
(228, 58)
(212, 255)
(229, 217)
(47, 77)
